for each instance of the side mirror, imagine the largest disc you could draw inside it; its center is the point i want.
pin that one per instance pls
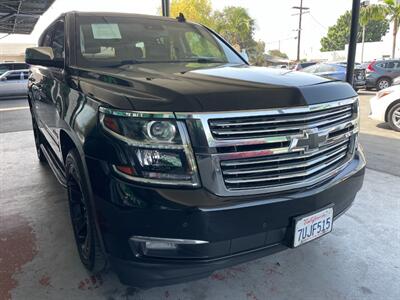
(42, 56)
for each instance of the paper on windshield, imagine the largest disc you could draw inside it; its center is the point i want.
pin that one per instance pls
(106, 31)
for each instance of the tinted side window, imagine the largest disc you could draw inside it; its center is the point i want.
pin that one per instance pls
(57, 42)
(47, 38)
(4, 68)
(21, 66)
(389, 65)
(15, 76)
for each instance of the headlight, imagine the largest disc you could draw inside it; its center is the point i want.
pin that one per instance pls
(157, 145)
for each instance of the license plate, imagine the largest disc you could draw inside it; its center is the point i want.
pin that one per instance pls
(312, 226)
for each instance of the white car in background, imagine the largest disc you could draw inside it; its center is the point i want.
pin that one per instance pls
(385, 106)
(14, 83)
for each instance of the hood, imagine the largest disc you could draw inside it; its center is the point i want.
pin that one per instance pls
(194, 87)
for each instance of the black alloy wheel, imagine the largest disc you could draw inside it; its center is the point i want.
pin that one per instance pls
(82, 219)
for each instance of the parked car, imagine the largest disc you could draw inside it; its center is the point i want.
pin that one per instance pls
(385, 106)
(178, 157)
(380, 73)
(14, 83)
(301, 66)
(10, 66)
(338, 71)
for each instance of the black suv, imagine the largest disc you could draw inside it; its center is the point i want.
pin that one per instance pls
(179, 158)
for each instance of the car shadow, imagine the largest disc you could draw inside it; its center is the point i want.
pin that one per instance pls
(385, 126)
(366, 93)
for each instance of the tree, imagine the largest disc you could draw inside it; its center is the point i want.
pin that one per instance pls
(277, 53)
(233, 23)
(392, 10)
(257, 54)
(236, 26)
(339, 34)
(199, 11)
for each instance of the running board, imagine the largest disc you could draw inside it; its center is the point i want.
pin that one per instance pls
(54, 165)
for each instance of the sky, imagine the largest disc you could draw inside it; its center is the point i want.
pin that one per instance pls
(275, 19)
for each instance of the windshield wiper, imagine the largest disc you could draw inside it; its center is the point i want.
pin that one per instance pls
(125, 62)
(206, 60)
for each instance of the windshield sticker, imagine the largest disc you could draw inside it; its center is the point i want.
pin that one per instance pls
(106, 31)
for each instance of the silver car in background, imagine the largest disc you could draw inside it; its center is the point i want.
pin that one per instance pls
(14, 83)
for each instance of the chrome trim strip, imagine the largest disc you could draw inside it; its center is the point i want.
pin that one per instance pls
(137, 114)
(288, 166)
(238, 162)
(166, 182)
(286, 187)
(139, 238)
(280, 177)
(266, 152)
(265, 112)
(222, 124)
(282, 128)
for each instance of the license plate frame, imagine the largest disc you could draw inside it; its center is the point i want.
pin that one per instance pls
(298, 223)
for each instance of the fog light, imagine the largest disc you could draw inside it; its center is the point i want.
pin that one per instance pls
(155, 243)
(159, 245)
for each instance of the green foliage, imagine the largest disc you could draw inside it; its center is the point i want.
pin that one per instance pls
(233, 23)
(257, 53)
(277, 53)
(339, 34)
(199, 11)
(391, 9)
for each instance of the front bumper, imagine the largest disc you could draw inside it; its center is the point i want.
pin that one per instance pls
(377, 109)
(238, 230)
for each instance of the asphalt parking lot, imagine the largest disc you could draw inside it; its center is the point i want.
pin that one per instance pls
(358, 260)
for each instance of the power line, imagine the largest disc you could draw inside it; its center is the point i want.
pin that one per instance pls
(280, 40)
(4, 36)
(316, 21)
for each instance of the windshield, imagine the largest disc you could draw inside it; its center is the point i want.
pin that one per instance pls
(117, 41)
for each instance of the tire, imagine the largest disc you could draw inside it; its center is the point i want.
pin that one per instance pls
(38, 140)
(394, 117)
(383, 83)
(82, 215)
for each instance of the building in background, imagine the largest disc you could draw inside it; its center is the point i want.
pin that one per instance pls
(13, 51)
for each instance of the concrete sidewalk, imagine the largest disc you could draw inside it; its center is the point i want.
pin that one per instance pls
(38, 260)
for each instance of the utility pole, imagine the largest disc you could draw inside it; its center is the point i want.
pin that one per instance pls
(300, 8)
(355, 14)
(165, 8)
(363, 5)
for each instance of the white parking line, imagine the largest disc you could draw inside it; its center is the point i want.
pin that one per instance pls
(14, 108)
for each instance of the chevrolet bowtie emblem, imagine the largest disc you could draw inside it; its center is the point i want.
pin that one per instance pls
(310, 141)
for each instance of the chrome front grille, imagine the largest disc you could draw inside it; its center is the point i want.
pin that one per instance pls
(278, 124)
(242, 153)
(283, 169)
